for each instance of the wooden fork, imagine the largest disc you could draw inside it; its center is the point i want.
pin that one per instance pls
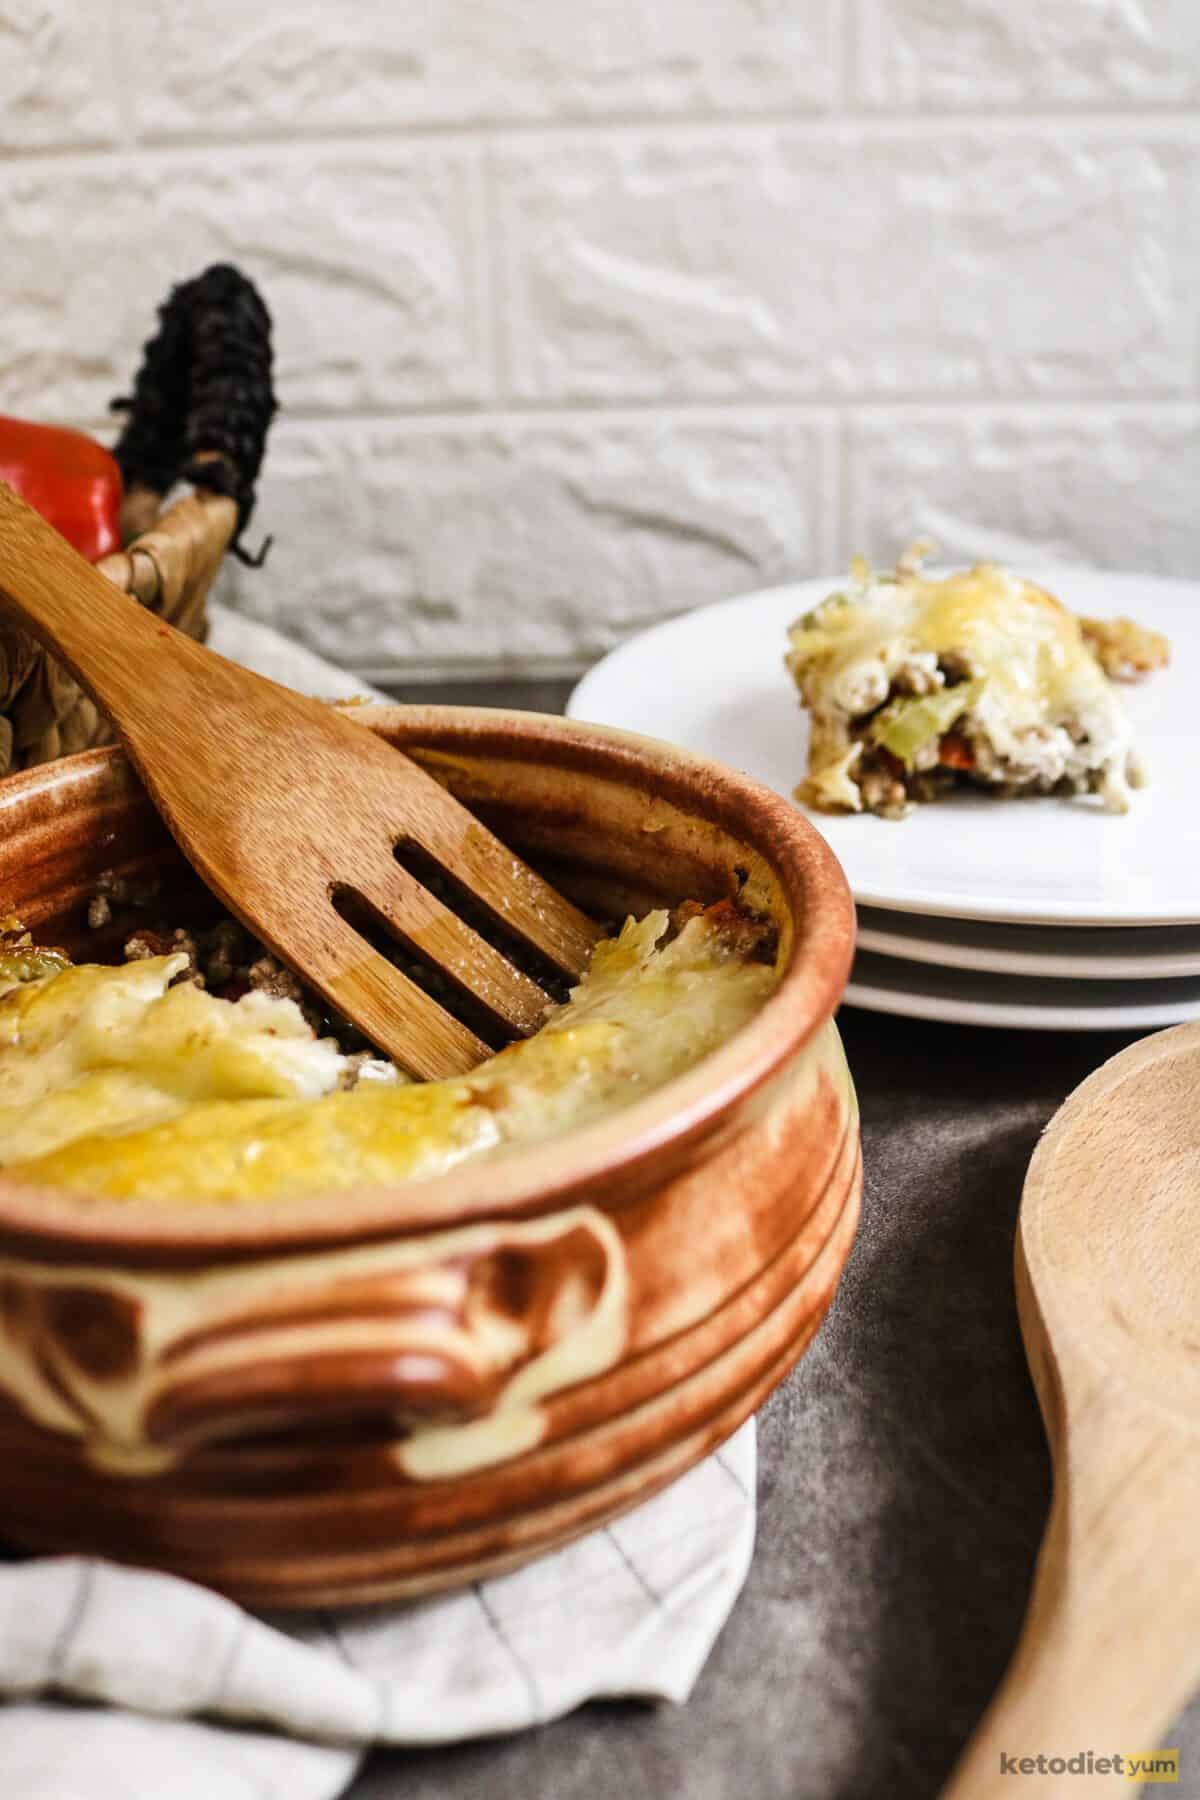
(289, 810)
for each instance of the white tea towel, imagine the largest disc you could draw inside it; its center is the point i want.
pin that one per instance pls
(265, 651)
(123, 1684)
(187, 1680)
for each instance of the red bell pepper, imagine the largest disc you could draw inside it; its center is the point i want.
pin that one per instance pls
(67, 477)
(955, 752)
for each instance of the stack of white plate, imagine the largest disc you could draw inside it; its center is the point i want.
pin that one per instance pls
(1043, 913)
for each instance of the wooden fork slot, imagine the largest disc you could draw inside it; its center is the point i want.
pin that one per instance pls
(515, 897)
(372, 930)
(468, 907)
(389, 1007)
(423, 925)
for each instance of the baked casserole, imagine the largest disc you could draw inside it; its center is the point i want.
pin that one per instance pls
(136, 1081)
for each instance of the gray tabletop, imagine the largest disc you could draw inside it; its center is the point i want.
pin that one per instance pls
(903, 1482)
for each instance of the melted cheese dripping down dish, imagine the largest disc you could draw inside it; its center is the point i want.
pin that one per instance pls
(115, 1082)
(916, 685)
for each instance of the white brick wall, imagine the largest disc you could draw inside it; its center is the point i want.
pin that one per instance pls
(587, 313)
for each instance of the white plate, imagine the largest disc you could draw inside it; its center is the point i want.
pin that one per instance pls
(713, 681)
(1101, 955)
(960, 997)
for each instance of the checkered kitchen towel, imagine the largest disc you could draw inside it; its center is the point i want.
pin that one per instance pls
(188, 1696)
(204, 1701)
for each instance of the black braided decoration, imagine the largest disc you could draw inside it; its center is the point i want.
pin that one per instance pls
(204, 388)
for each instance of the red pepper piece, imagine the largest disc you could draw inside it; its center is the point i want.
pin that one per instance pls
(70, 479)
(954, 752)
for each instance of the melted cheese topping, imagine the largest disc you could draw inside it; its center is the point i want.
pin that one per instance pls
(1034, 673)
(114, 1082)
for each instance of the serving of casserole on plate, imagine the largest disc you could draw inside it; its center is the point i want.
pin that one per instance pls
(1041, 859)
(916, 683)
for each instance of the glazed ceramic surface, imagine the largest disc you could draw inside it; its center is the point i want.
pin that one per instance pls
(350, 1397)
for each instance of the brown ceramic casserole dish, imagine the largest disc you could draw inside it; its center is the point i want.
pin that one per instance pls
(340, 1399)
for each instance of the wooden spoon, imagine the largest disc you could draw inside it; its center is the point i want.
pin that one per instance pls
(288, 809)
(1108, 1290)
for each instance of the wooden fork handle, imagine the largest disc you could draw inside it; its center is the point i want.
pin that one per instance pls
(107, 640)
(1110, 1649)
